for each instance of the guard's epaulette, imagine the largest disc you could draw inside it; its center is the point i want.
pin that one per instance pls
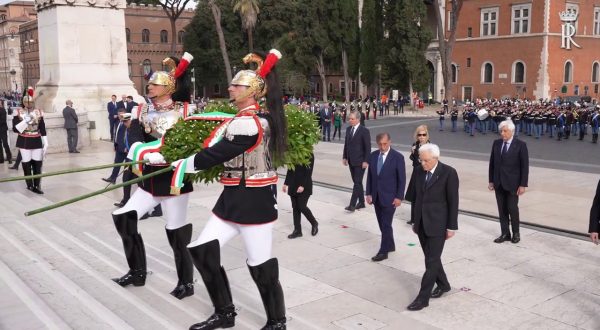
(242, 125)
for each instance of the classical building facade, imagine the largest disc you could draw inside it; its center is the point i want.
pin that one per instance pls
(534, 49)
(148, 32)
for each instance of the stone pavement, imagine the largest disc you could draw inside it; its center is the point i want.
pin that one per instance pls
(55, 267)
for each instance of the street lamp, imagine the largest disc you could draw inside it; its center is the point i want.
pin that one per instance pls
(457, 68)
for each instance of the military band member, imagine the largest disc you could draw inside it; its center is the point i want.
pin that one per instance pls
(595, 123)
(454, 118)
(442, 113)
(32, 140)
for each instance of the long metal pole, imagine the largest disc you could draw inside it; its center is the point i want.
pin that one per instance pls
(73, 170)
(97, 192)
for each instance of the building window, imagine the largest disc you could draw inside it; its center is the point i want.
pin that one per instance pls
(353, 87)
(520, 18)
(595, 72)
(342, 87)
(450, 21)
(596, 21)
(330, 87)
(454, 73)
(518, 73)
(469, 32)
(487, 73)
(180, 37)
(129, 66)
(128, 35)
(145, 36)
(146, 66)
(568, 72)
(216, 89)
(468, 62)
(164, 36)
(489, 21)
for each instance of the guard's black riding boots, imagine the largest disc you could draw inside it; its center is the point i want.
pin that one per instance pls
(27, 172)
(36, 167)
(266, 277)
(133, 245)
(207, 259)
(179, 239)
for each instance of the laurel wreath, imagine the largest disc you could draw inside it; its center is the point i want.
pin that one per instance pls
(186, 138)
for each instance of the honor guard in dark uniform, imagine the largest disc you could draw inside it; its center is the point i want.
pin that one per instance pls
(170, 95)
(247, 147)
(32, 140)
(454, 118)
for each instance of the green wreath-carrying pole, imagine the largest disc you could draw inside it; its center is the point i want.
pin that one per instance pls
(69, 171)
(98, 192)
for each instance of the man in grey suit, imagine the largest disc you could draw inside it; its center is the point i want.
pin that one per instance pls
(71, 121)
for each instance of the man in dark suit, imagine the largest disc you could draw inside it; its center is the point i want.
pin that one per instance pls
(123, 102)
(508, 176)
(357, 147)
(71, 121)
(436, 219)
(386, 180)
(121, 145)
(130, 104)
(595, 216)
(4, 136)
(326, 115)
(113, 119)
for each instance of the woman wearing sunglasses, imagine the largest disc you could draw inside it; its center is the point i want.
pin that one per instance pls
(421, 137)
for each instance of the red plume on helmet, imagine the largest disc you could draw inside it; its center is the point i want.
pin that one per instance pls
(30, 91)
(270, 61)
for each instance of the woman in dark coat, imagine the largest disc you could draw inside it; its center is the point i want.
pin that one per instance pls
(421, 137)
(298, 184)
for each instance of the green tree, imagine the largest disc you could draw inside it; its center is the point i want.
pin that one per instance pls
(343, 31)
(248, 11)
(369, 42)
(408, 37)
(447, 41)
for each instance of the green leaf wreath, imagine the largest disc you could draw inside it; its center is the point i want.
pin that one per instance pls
(186, 138)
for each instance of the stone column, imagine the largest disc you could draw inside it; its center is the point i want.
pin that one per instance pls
(83, 57)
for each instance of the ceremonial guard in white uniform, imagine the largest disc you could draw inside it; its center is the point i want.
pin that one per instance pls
(170, 93)
(32, 140)
(249, 144)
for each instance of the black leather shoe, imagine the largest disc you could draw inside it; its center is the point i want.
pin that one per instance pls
(76, 151)
(349, 208)
(37, 190)
(9, 160)
(109, 180)
(417, 305)
(295, 234)
(410, 222)
(137, 278)
(315, 229)
(156, 213)
(502, 238)
(120, 204)
(220, 319)
(145, 216)
(275, 325)
(379, 257)
(14, 167)
(360, 206)
(183, 290)
(438, 292)
(392, 249)
(516, 238)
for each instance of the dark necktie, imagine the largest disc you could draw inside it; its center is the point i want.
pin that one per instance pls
(353, 131)
(427, 178)
(504, 148)
(379, 163)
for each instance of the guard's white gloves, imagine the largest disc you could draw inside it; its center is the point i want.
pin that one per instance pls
(44, 145)
(154, 158)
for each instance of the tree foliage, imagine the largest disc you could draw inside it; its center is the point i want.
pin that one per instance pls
(368, 43)
(408, 38)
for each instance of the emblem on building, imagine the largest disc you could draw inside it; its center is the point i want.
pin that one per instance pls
(568, 30)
